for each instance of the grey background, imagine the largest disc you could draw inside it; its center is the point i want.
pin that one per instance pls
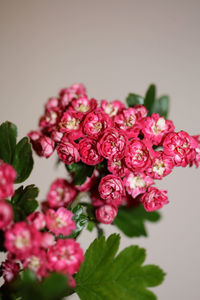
(113, 47)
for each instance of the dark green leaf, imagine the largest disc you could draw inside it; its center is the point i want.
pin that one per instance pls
(134, 99)
(2, 248)
(8, 135)
(23, 160)
(53, 287)
(24, 202)
(103, 276)
(131, 221)
(161, 106)
(80, 172)
(150, 98)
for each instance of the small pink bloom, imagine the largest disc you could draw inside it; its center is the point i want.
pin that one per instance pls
(161, 166)
(111, 189)
(117, 168)
(56, 136)
(196, 160)
(52, 104)
(10, 269)
(90, 181)
(137, 156)
(154, 199)
(112, 145)
(68, 151)
(127, 121)
(67, 94)
(112, 108)
(70, 122)
(137, 184)
(7, 178)
(6, 214)
(47, 240)
(48, 122)
(140, 112)
(156, 127)
(181, 147)
(83, 105)
(106, 214)
(65, 255)
(88, 151)
(21, 239)
(61, 193)
(37, 262)
(37, 219)
(96, 122)
(43, 145)
(60, 221)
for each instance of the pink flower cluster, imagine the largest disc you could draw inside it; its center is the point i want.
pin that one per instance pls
(138, 149)
(35, 244)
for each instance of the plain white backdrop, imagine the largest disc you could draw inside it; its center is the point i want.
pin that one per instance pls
(113, 47)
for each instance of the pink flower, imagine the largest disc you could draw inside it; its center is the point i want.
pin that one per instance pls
(61, 193)
(196, 160)
(10, 270)
(137, 184)
(154, 199)
(95, 123)
(37, 219)
(6, 214)
(43, 145)
(7, 178)
(83, 105)
(156, 127)
(48, 122)
(111, 189)
(161, 166)
(47, 240)
(65, 255)
(140, 112)
(106, 214)
(88, 152)
(70, 122)
(127, 121)
(181, 147)
(68, 151)
(90, 181)
(56, 136)
(117, 168)
(112, 145)
(52, 104)
(67, 94)
(112, 108)
(60, 221)
(21, 239)
(37, 262)
(137, 156)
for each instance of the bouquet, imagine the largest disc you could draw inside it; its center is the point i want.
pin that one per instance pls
(113, 155)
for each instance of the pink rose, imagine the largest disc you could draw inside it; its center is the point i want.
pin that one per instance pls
(154, 199)
(137, 156)
(88, 152)
(111, 189)
(127, 121)
(112, 108)
(83, 105)
(106, 214)
(43, 145)
(113, 144)
(70, 122)
(162, 165)
(137, 184)
(95, 123)
(68, 151)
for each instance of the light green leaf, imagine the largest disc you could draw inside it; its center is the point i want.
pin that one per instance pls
(105, 277)
(161, 106)
(131, 221)
(134, 99)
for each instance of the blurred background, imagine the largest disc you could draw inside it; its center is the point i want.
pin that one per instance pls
(114, 47)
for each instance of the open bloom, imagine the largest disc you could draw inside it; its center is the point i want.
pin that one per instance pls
(154, 199)
(88, 151)
(7, 178)
(37, 219)
(61, 193)
(112, 108)
(60, 221)
(37, 262)
(137, 184)
(68, 152)
(127, 121)
(65, 255)
(6, 214)
(161, 166)
(83, 105)
(117, 168)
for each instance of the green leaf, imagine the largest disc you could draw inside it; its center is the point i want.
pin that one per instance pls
(150, 98)
(134, 99)
(24, 202)
(80, 172)
(161, 106)
(53, 287)
(103, 276)
(8, 135)
(23, 160)
(131, 221)
(2, 248)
